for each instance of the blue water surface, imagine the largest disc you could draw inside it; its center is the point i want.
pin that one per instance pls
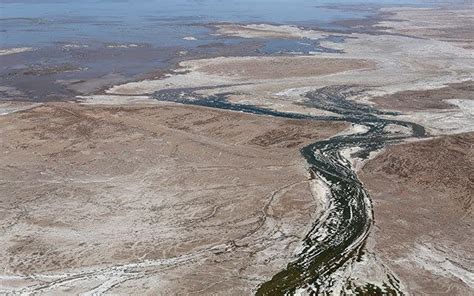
(157, 22)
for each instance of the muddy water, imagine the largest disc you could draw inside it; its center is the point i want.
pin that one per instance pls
(339, 237)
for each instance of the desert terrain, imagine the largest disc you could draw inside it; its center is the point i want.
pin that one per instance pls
(132, 188)
(165, 199)
(422, 197)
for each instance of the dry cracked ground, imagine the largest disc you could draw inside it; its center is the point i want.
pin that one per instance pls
(122, 194)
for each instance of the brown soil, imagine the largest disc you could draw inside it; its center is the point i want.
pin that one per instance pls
(85, 191)
(250, 32)
(283, 67)
(453, 24)
(426, 99)
(422, 195)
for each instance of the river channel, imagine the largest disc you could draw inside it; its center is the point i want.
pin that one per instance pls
(339, 234)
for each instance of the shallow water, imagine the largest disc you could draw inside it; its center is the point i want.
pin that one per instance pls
(292, 46)
(157, 22)
(83, 47)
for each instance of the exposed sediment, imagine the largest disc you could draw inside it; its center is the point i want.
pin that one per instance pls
(430, 99)
(171, 218)
(422, 197)
(166, 199)
(379, 65)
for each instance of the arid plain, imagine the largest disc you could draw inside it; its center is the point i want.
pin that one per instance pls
(119, 191)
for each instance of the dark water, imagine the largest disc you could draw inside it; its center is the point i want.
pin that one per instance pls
(340, 236)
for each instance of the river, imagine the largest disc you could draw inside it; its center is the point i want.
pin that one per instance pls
(338, 236)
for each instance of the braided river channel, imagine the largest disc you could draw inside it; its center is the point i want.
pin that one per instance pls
(338, 236)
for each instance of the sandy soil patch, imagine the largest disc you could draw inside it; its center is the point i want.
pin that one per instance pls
(283, 67)
(268, 31)
(7, 107)
(445, 24)
(259, 76)
(429, 246)
(163, 200)
(115, 100)
(415, 100)
(444, 122)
